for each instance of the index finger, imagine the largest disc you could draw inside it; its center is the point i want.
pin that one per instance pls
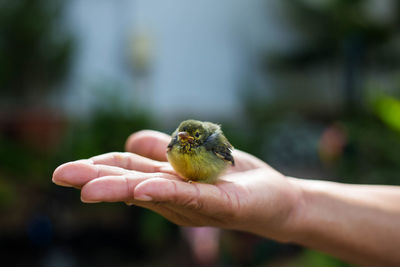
(148, 143)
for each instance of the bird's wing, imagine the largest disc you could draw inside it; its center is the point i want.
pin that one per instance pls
(174, 140)
(220, 146)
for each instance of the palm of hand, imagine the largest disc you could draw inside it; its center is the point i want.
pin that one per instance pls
(247, 196)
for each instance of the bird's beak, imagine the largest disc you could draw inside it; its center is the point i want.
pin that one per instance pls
(184, 136)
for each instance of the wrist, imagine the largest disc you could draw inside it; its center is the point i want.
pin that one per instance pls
(296, 221)
(278, 215)
(313, 212)
(293, 224)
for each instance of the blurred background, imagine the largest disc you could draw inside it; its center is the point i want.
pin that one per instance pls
(312, 87)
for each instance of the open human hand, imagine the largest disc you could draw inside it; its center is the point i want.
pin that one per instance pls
(251, 196)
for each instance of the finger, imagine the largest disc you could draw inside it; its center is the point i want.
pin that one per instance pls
(131, 161)
(118, 188)
(78, 173)
(203, 198)
(149, 144)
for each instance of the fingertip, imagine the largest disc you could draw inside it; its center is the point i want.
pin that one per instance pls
(132, 140)
(158, 189)
(69, 174)
(56, 174)
(88, 200)
(105, 189)
(144, 198)
(61, 175)
(90, 192)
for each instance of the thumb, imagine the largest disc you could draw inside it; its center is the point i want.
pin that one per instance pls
(204, 199)
(149, 144)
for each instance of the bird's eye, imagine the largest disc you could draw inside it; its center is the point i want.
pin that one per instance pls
(197, 134)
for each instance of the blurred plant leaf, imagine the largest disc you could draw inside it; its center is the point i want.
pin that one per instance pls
(311, 258)
(388, 110)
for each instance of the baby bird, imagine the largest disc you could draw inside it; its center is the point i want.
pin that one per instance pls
(199, 151)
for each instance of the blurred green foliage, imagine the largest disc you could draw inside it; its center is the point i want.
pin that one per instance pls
(330, 30)
(38, 48)
(388, 109)
(312, 258)
(372, 154)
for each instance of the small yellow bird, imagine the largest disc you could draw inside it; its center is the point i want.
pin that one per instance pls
(199, 151)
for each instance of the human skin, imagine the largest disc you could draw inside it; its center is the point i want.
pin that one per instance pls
(357, 223)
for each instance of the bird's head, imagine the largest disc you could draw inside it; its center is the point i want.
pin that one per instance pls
(194, 132)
